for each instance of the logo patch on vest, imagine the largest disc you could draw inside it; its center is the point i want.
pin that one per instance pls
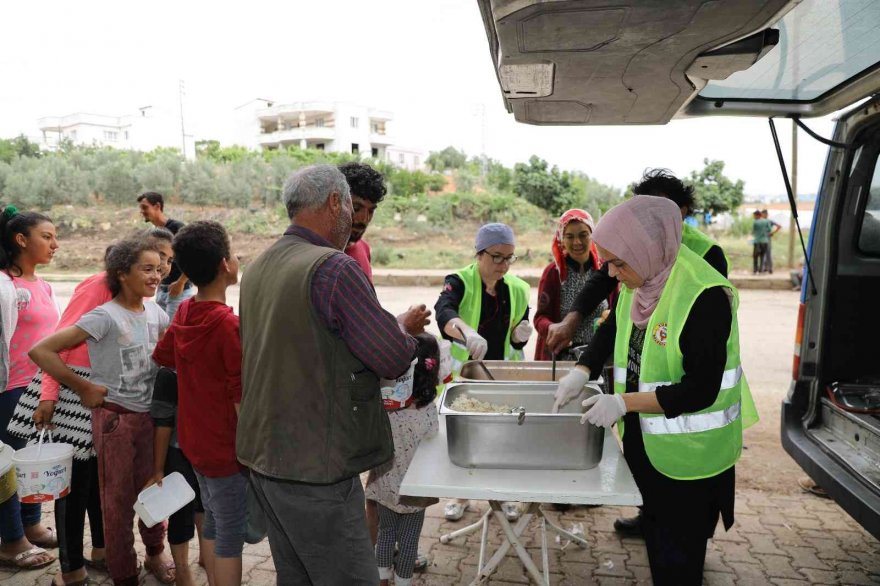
(659, 333)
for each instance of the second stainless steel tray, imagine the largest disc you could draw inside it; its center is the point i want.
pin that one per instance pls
(503, 370)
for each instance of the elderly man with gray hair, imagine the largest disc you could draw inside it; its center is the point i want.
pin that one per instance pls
(315, 342)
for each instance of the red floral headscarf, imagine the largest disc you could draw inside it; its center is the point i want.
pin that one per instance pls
(559, 254)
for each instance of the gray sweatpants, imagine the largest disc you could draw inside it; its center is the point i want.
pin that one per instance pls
(317, 533)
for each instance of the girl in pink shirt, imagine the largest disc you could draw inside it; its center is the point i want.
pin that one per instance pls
(27, 313)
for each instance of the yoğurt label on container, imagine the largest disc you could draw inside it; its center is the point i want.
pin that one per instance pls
(397, 393)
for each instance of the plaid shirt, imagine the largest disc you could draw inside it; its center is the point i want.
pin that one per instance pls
(346, 304)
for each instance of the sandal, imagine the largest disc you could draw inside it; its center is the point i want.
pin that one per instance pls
(20, 561)
(164, 571)
(47, 543)
(808, 485)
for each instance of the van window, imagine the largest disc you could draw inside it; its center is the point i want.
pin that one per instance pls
(869, 235)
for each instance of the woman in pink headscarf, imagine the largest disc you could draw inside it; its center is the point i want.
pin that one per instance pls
(574, 259)
(679, 392)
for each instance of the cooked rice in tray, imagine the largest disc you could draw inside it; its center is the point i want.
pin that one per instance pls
(467, 404)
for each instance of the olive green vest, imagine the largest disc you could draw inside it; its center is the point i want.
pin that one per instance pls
(310, 411)
(692, 445)
(470, 307)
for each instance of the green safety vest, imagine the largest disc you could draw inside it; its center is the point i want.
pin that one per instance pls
(692, 445)
(699, 242)
(469, 311)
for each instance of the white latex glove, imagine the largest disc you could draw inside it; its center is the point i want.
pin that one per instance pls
(522, 332)
(604, 410)
(570, 387)
(477, 346)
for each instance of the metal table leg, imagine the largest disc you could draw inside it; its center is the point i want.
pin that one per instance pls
(512, 534)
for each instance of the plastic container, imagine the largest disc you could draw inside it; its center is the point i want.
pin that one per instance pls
(7, 473)
(42, 471)
(396, 393)
(156, 503)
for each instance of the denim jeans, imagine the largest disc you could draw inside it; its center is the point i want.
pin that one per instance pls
(170, 304)
(14, 516)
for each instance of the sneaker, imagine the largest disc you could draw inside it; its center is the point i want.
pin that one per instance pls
(629, 526)
(511, 511)
(454, 511)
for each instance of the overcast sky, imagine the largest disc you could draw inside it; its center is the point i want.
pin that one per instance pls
(427, 62)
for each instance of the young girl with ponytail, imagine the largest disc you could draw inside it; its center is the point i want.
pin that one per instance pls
(28, 313)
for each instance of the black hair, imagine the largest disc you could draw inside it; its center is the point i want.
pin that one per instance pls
(13, 223)
(364, 181)
(661, 182)
(154, 198)
(426, 375)
(199, 247)
(122, 257)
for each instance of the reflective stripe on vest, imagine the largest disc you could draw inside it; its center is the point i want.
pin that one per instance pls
(729, 379)
(691, 423)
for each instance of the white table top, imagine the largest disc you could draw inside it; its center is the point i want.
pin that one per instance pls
(432, 474)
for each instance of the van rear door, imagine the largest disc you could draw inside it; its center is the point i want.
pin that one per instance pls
(584, 62)
(830, 423)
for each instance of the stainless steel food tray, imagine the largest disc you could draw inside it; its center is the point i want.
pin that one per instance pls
(508, 371)
(531, 438)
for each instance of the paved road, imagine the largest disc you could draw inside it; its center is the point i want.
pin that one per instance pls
(782, 536)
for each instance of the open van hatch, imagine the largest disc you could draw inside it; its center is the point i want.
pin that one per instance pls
(591, 62)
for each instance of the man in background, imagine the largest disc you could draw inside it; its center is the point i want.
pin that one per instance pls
(175, 288)
(760, 240)
(768, 255)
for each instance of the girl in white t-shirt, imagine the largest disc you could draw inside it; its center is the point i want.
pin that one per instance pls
(120, 335)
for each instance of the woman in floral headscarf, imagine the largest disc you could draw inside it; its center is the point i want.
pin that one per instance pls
(574, 258)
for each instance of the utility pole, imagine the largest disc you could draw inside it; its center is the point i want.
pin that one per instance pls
(792, 228)
(180, 91)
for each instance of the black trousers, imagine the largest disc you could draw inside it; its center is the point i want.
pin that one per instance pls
(182, 524)
(759, 257)
(676, 552)
(70, 515)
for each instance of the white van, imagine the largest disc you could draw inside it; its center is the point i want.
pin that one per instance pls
(582, 62)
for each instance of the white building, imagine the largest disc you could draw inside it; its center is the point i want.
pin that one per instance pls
(144, 130)
(407, 158)
(332, 126)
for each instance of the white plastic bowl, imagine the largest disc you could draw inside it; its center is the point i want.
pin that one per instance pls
(156, 503)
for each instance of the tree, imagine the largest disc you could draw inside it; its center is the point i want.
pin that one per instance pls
(448, 158)
(549, 189)
(713, 191)
(20, 146)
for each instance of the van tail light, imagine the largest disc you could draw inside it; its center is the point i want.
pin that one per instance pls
(798, 341)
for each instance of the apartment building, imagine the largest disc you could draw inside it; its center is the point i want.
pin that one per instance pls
(148, 128)
(331, 126)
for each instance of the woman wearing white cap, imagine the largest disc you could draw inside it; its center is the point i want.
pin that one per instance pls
(484, 312)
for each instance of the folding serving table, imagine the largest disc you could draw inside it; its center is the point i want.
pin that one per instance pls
(432, 474)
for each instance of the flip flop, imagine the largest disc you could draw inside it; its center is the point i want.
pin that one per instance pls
(164, 572)
(19, 560)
